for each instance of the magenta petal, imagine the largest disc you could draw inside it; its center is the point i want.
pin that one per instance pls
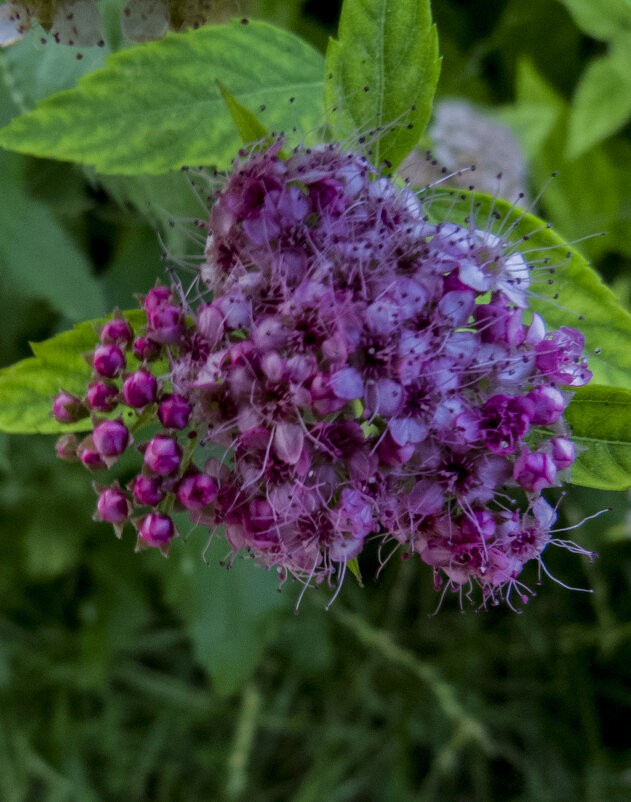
(288, 442)
(347, 383)
(426, 498)
(407, 430)
(384, 397)
(344, 549)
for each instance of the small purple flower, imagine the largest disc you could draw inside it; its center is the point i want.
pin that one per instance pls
(163, 455)
(140, 389)
(108, 360)
(499, 322)
(560, 359)
(354, 514)
(504, 422)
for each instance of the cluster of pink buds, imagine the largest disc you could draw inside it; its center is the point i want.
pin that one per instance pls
(361, 375)
(122, 380)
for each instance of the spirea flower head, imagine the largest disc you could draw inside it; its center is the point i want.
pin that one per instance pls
(369, 375)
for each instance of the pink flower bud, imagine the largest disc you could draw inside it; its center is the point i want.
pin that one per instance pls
(148, 490)
(146, 349)
(89, 456)
(210, 322)
(66, 447)
(140, 389)
(164, 324)
(108, 360)
(113, 506)
(68, 408)
(163, 455)
(563, 452)
(101, 396)
(158, 296)
(549, 404)
(197, 491)
(117, 332)
(155, 529)
(534, 470)
(111, 438)
(174, 412)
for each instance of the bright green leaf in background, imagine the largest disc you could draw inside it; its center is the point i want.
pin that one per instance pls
(575, 289)
(600, 418)
(602, 102)
(605, 19)
(156, 107)
(27, 388)
(383, 71)
(590, 193)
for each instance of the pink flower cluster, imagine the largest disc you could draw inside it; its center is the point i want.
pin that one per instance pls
(360, 374)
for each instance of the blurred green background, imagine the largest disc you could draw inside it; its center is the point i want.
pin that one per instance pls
(130, 677)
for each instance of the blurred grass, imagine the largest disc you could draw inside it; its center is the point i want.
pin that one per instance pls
(128, 677)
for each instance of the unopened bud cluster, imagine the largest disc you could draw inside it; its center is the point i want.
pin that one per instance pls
(368, 374)
(167, 476)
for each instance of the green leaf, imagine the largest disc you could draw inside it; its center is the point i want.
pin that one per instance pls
(155, 107)
(588, 194)
(353, 567)
(27, 388)
(246, 122)
(34, 72)
(575, 290)
(605, 19)
(383, 72)
(226, 611)
(531, 122)
(600, 418)
(37, 256)
(602, 102)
